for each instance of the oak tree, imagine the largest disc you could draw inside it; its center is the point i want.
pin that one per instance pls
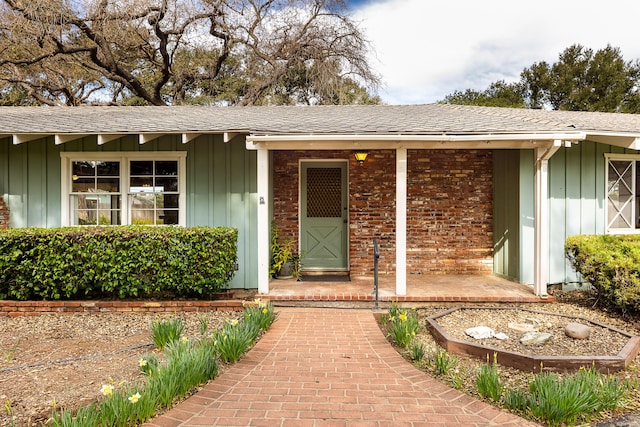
(161, 52)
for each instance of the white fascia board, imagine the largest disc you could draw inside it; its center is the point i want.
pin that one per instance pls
(329, 142)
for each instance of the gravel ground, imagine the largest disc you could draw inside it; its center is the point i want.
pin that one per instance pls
(601, 342)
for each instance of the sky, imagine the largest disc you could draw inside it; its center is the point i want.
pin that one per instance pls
(427, 49)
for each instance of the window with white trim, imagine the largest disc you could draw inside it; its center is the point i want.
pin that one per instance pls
(95, 193)
(113, 188)
(153, 192)
(623, 193)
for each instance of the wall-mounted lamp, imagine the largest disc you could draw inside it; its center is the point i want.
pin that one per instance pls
(361, 156)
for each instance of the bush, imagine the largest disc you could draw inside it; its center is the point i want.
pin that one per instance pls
(611, 264)
(122, 262)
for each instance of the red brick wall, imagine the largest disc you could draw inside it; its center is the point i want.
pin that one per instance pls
(4, 214)
(372, 212)
(35, 308)
(449, 210)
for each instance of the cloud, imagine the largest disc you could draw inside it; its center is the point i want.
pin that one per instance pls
(425, 50)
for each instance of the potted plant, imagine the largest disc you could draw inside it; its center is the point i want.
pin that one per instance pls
(285, 262)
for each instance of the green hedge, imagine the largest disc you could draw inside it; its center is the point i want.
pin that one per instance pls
(611, 264)
(115, 262)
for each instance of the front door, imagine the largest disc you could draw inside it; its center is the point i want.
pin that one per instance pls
(323, 215)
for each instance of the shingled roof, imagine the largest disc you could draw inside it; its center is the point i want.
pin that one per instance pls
(378, 120)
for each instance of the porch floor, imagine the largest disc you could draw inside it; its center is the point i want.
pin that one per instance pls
(445, 288)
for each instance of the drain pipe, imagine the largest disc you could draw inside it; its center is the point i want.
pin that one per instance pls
(376, 255)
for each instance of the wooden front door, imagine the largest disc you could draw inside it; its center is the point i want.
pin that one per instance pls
(324, 215)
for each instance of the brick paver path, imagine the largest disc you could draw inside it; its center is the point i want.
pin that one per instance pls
(329, 367)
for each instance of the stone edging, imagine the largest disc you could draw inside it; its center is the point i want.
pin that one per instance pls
(35, 308)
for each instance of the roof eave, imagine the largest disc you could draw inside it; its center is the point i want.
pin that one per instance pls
(618, 139)
(390, 141)
(105, 137)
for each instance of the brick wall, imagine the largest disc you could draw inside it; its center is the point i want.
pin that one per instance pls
(449, 210)
(35, 308)
(4, 214)
(372, 212)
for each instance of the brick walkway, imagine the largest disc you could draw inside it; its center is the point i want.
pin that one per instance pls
(329, 367)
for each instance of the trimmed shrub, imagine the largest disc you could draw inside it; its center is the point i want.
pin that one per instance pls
(611, 264)
(117, 262)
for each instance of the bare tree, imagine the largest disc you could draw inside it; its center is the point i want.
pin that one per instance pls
(160, 52)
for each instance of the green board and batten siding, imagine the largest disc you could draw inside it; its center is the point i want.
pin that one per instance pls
(576, 202)
(505, 208)
(576, 206)
(221, 185)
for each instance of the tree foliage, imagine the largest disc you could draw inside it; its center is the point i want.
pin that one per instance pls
(581, 80)
(159, 52)
(498, 94)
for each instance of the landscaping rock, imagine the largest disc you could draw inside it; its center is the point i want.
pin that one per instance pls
(522, 327)
(501, 336)
(480, 332)
(535, 338)
(577, 331)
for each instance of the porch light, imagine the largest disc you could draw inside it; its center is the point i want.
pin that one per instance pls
(361, 156)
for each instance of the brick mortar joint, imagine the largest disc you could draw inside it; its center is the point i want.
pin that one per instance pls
(21, 308)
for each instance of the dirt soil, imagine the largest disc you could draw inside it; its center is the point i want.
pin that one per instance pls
(63, 360)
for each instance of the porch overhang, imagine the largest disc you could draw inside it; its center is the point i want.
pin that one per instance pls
(624, 140)
(408, 141)
(543, 144)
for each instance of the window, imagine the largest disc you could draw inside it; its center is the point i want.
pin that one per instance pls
(111, 188)
(154, 196)
(95, 193)
(623, 193)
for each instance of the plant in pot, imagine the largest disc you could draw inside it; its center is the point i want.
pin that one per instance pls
(285, 262)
